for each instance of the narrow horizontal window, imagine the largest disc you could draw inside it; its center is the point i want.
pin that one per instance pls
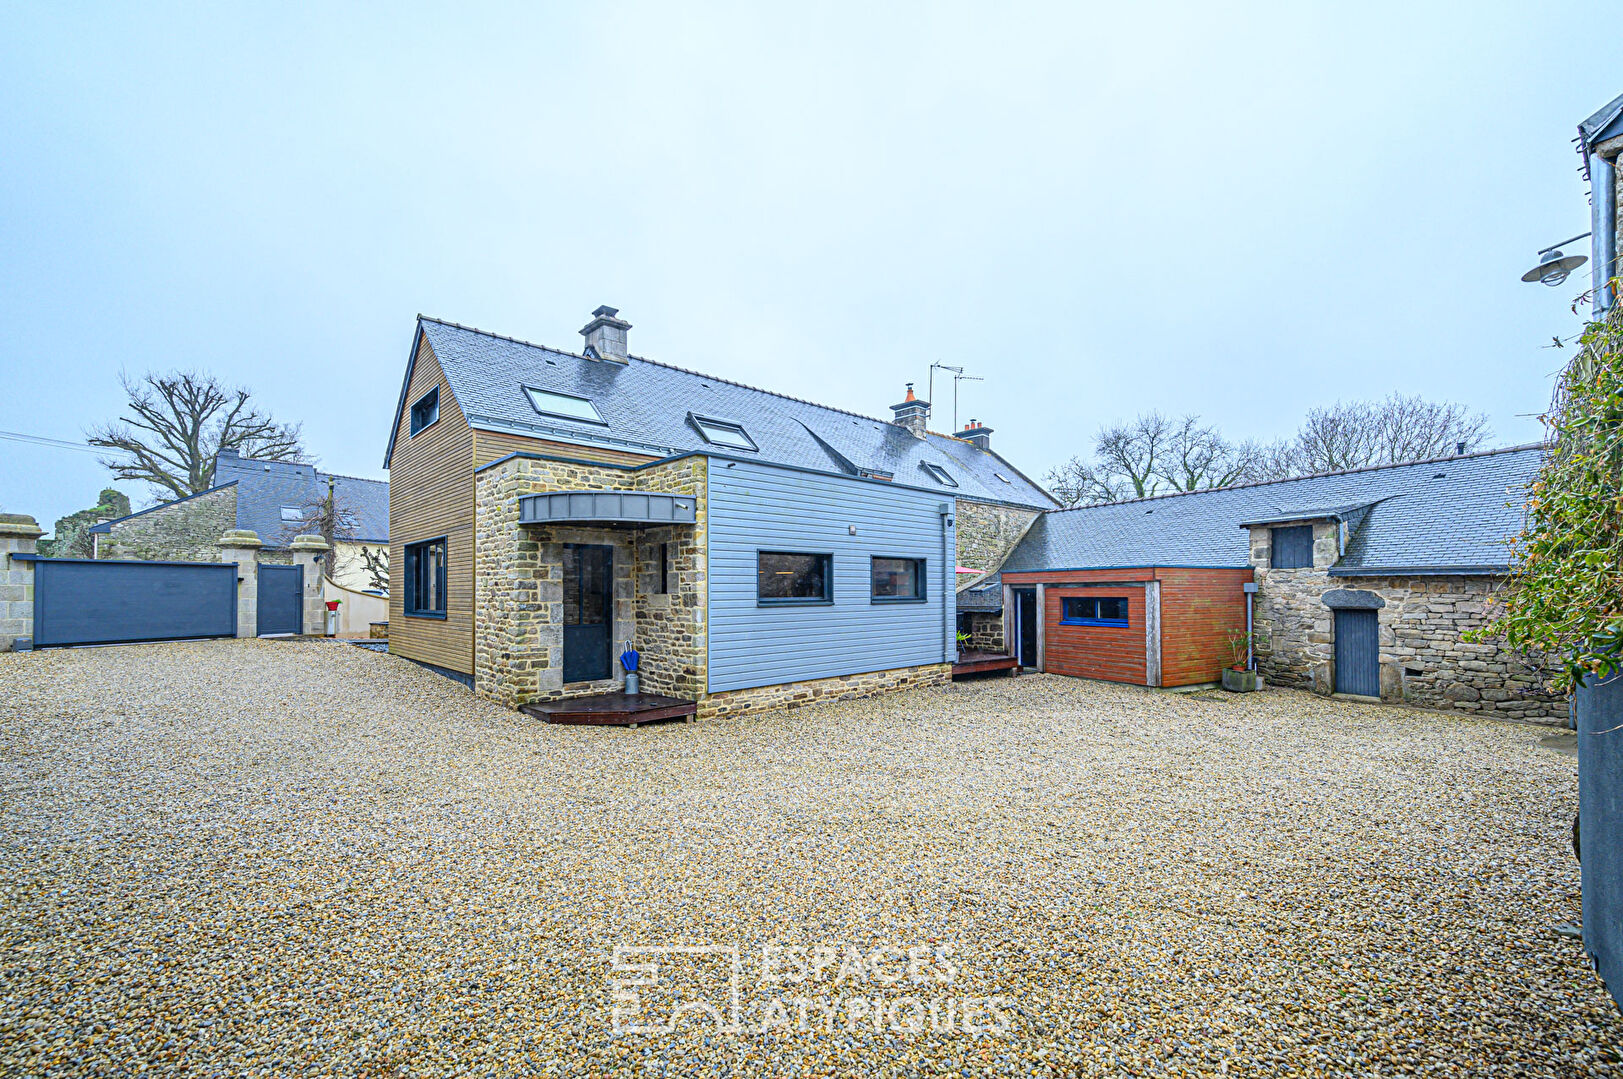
(426, 411)
(791, 577)
(723, 433)
(1093, 610)
(939, 474)
(564, 406)
(897, 579)
(425, 579)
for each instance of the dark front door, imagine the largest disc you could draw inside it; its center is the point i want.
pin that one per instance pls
(1358, 653)
(588, 611)
(1025, 626)
(281, 599)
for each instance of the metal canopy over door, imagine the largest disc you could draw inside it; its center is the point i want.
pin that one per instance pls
(281, 599)
(1025, 626)
(588, 611)
(84, 601)
(1358, 655)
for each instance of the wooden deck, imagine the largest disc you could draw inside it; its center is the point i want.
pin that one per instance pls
(613, 709)
(983, 663)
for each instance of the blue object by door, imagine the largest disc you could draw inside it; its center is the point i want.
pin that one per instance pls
(1358, 653)
(281, 599)
(588, 611)
(84, 601)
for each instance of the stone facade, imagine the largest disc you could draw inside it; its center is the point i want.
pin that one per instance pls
(184, 531)
(985, 630)
(19, 534)
(1423, 660)
(739, 702)
(987, 533)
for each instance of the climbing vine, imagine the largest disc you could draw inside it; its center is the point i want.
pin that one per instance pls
(1565, 594)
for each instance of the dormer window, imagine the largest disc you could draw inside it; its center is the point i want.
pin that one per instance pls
(723, 433)
(426, 411)
(564, 406)
(939, 474)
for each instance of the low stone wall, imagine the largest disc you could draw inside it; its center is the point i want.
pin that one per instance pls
(740, 702)
(985, 630)
(185, 531)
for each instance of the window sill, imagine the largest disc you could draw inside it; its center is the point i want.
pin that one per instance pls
(437, 615)
(794, 603)
(1107, 623)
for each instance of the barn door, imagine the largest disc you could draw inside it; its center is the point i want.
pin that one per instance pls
(1358, 654)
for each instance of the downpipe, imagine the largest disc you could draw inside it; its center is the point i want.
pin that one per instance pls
(947, 581)
(1602, 231)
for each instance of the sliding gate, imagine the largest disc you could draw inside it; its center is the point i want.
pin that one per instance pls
(106, 601)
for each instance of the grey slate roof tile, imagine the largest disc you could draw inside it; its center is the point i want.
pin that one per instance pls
(265, 487)
(647, 404)
(1428, 515)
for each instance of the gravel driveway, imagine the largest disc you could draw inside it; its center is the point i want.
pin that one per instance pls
(264, 857)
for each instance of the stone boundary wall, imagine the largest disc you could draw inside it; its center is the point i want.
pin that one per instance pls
(185, 531)
(844, 687)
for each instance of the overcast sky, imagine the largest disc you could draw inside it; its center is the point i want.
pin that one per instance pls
(1238, 210)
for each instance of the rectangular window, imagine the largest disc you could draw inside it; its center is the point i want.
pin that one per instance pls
(723, 433)
(1292, 547)
(291, 513)
(564, 406)
(897, 580)
(425, 579)
(939, 474)
(787, 577)
(664, 568)
(1093, 611)
(426, 411)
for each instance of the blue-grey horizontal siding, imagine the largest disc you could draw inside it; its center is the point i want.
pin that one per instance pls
(755, 508)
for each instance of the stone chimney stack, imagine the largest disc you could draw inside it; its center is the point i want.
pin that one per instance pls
(606, 336)
(912, 413)
(977, 435)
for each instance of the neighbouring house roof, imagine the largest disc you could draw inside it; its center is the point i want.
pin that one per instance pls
(1607, 123)
(985, 594)
(1451, 514)
(652, 408)
(265, 488)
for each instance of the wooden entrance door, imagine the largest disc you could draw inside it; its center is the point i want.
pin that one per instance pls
(1358, 659)
(588, 611)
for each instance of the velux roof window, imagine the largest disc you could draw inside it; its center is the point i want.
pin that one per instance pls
(563, 405)
(723, 433)
(939, 474)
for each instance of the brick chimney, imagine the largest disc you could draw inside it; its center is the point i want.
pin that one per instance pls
(606, 335)
(977, 434)
(911, 413)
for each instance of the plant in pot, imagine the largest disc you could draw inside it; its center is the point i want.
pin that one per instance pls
(963, 644)
(1238, 677)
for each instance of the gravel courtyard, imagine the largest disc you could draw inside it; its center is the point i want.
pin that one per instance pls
(263, 857)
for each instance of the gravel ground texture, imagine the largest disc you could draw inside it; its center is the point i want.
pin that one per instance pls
(258, 858)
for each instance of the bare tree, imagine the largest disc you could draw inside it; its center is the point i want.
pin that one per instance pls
(327, 518)
(176, 423)
(1151, 454)
(1360, 433)
(375, 561)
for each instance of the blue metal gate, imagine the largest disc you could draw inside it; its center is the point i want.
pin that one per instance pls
(1598, 710)
(1358, 653)
(86, 601)
(281, 599)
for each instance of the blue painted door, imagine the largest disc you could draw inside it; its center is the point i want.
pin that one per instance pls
(1358, 653)
(81, 601)
(281, 599)
(588, 610)
(1598, 713)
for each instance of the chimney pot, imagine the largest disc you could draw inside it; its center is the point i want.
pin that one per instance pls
(977, 434)
(912, 413)
(606, 335)
(1459, 449)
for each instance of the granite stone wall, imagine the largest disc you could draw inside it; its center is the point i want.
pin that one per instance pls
(740, 702)
(985, 630)
(184, 531)
(987, 533)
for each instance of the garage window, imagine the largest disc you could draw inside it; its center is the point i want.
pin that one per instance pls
(1093, 611)
(425, 579)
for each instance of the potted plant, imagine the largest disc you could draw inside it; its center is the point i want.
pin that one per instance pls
(1238, 677)
(963, 645)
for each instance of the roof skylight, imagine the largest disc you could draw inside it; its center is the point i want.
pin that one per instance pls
(939, 474)
(723, 433)
(563, 405)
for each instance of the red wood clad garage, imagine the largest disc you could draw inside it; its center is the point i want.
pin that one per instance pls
(1151, 626)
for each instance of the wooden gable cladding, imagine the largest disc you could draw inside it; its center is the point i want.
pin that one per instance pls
(494, 445)
(431, 495)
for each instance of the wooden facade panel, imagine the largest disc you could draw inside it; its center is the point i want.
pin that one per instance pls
(1111, 653)
(431, 495)
(494, 445)
(1199, 607)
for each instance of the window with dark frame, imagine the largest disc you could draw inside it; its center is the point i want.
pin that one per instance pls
(789, 577)
(1291, 547)
(425, 579)
(565, 406)
(723, 433)
(1093, 611)
(426, 411)
(896, 580)
(939, 474)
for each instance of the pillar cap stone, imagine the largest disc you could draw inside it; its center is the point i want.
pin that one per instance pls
(19, 524)
(239, 537)
(309, 543)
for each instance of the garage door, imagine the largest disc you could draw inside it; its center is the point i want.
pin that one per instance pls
(83, 601)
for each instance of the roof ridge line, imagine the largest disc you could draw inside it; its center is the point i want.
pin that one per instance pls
(1310, 476)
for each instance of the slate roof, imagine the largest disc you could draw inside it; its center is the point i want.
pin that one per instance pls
(1448, 514)
(265, 487)
(648, 408)
(985, 594)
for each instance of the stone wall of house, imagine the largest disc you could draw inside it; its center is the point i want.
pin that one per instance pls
(985, 630)
(987, 533)
(184, 531)
(673, 626)
(739, 702)
(1423, 660)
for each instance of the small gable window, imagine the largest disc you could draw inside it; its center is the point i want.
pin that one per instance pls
(1093, 611)
(1291, 548)
(564, 406)
(939, 474)
(425, 413)
(723, 433)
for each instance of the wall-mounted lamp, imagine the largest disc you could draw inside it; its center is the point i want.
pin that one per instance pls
(1553, 267)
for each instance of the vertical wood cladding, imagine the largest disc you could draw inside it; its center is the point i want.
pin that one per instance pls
(1198, 609)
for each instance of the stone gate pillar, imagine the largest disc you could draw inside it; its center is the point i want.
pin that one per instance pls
(241, 545)
(19, 534)
(310, 552)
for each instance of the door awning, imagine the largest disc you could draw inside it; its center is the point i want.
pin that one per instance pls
(619, 509)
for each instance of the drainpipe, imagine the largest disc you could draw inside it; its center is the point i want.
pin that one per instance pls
(947, 581)
(1250, 645)
(1602, 229)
